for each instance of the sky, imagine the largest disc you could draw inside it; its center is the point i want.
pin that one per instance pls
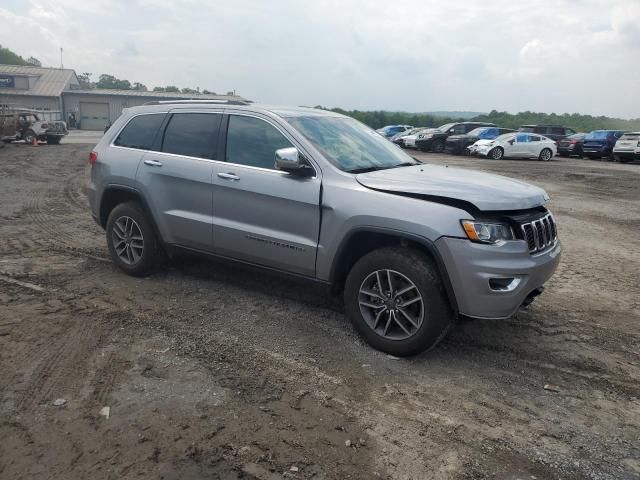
(540, 55)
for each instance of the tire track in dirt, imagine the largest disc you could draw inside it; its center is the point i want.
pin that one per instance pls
(62, 366)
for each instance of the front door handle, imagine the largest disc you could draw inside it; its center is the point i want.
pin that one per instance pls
(229, 176)
(153, 163)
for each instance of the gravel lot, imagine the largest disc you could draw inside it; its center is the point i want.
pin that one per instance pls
(217, 371)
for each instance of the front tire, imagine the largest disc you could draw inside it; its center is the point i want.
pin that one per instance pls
(395, 300)
(132, 240)
(545, 155)
(497, 153)
(28, 136)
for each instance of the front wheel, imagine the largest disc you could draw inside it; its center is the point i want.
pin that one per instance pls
(29, 136)
(395, 300)
(497, 153)
(132, 240)
(545, 155)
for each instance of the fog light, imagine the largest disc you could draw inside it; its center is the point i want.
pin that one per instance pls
(504, 284)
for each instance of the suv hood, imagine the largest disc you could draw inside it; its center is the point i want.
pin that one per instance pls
(483, 190)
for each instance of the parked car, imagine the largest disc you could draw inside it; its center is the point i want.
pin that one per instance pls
(571, 145)
(398, 137)
(390, 130)
(457, 144)
(435, 140)
(516, 145)
(627, 147)
(316, 195)
(410, 140)
(554, 132)
(26, 125)
(599, 143)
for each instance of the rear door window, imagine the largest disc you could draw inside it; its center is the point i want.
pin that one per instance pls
(557, 131)
(192, 135)
(534, 138)
(140, 131)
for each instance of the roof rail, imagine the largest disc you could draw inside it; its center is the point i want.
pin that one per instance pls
(198, 100)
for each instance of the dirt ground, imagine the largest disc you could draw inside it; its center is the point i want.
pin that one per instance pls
(218, 371)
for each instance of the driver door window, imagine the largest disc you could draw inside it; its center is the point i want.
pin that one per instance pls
(253, 142)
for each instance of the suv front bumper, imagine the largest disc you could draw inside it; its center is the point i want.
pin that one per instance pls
(471, 266)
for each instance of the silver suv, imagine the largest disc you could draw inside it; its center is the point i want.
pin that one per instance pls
(319, 195)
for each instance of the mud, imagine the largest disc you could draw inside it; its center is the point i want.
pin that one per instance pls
(216, 371)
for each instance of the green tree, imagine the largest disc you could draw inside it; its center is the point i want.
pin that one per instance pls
(34, 61)
(8, 57)
(109, 81)
(172, 89)
(139, 86)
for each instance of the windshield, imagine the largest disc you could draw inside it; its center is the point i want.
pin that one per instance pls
(630, 136)
(504, 136)
(348, 144)
(597, 135)
(445, 127)
(577, 136)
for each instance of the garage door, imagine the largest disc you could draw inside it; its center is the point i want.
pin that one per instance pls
(94, 116)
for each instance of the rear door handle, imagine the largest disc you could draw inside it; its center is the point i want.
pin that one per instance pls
(153, 163)
(229, 176)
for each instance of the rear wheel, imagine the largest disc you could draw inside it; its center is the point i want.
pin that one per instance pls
(545, 155)
(438, 147)
(132, 240)
(497, 153)
(29, 136)
(395, 300)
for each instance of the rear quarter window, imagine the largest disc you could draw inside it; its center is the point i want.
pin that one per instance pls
(140, 131)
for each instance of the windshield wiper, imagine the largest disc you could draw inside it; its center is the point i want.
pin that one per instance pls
(381, 167)
(405, 164)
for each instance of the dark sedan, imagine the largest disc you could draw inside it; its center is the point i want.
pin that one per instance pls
(457, 144)
(572, 145)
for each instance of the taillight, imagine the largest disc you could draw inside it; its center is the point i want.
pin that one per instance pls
(573, 141)
(93, 158)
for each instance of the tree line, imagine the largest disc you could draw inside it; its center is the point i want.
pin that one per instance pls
(579, 122)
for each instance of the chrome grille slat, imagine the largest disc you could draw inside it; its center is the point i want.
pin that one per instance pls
(540, 233)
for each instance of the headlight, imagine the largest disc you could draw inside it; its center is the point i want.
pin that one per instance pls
(484, 232)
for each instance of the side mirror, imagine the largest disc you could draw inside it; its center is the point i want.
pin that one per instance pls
(291, 161)
(511, 142)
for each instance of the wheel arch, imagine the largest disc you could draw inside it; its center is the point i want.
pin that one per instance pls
(360, 241)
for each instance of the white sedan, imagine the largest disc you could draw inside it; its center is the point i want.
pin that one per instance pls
(516, 145)
(410, 140)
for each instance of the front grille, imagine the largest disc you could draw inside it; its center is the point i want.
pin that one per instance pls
(540, 233)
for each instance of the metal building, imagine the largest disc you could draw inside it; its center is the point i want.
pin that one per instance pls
(57, 95)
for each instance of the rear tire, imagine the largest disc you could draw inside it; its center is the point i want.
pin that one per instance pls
(437, 147)
(389, 317)
(132, 240)
(545, 155)
(496, 154)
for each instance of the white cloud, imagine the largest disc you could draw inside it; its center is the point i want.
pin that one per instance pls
(556, 55)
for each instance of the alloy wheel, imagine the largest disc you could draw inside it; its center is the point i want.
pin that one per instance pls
(496, 153)
(128, 241)
(391, 304)
(545, 155)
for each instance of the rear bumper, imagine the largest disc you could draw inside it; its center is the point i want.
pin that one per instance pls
(472, 265)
